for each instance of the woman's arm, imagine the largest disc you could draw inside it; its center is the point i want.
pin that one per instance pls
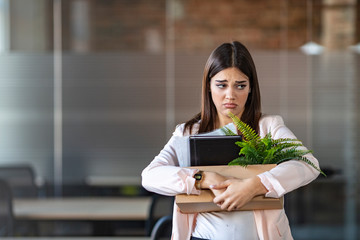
(290, 175)
(232, 193)
(164, 176)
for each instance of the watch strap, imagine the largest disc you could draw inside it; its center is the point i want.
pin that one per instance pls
(198, 178)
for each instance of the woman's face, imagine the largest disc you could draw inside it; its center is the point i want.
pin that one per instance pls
(229, 91)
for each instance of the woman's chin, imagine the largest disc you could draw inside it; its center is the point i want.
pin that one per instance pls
(233, 111)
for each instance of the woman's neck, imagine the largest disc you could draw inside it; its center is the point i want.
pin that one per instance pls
(222, 122)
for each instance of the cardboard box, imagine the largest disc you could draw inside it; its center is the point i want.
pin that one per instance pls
(204, 201)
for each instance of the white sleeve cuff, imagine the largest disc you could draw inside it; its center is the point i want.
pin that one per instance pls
(191, 189)
(189, 181)
(275, 190)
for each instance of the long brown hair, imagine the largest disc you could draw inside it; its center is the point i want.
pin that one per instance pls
(225, 56)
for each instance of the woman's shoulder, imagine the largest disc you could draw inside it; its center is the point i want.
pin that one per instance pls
(270, 123)
(271, 119)
(179, 130)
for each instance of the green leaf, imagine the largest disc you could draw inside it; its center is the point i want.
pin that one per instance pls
(227, 131)
(249, 134)
(240, 161)
(256, 150)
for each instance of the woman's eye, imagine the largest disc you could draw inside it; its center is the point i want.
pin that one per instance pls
(221, 85)
(241, 86)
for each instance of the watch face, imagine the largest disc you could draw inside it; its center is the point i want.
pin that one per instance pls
(198, 176)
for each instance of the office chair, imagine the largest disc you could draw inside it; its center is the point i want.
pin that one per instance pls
(160, 206)
(21, 180)
(162, 229)
(6, 210)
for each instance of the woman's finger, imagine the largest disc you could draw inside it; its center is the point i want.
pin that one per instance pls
(225, 205)
(221, 185)
(218, 200)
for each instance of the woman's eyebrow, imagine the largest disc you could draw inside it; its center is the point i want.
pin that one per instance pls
(244, 81)
(222, 81)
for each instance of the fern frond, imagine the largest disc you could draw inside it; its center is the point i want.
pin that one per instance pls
(248, 133)
(227, 131)
(269, 155)
(304, 159)
(252, 156)
(289, 154)
(256, 150)
(282, 140)
(242, 144)
(267, 141)
(242, 161)
(284, 146)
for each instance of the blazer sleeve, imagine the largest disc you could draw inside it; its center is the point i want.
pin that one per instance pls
(164, 176)
(289, 175)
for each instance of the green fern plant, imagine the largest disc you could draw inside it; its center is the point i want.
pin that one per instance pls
(256, 150)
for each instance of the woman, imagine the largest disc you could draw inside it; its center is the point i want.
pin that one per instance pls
(229, 84)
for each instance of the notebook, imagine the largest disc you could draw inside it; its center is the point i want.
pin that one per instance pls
(206, 150)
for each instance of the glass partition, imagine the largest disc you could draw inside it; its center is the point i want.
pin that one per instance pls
(90, 91)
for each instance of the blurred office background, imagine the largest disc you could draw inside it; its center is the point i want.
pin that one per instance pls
(92, 89)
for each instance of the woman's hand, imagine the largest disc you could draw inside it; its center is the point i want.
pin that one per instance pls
(212, 178)
(236, 192)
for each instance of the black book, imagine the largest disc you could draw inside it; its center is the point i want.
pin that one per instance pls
(213, 150)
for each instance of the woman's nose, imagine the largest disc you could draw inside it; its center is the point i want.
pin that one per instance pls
(230, 94)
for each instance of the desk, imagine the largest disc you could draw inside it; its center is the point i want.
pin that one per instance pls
(76, 238)
(86, 208)
(113, 181)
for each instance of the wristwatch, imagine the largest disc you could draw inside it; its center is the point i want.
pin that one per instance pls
(198, 177)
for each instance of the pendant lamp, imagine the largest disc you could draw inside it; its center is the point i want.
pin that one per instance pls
(311, 47)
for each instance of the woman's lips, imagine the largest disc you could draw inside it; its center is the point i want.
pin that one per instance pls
(230, 105)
